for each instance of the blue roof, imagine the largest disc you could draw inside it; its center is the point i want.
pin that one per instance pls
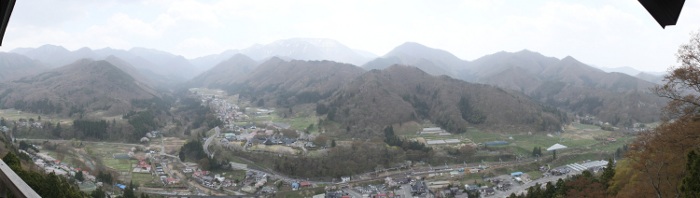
(122, 186)
(516, 173)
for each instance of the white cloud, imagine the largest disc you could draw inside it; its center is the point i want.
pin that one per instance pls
(605, 33)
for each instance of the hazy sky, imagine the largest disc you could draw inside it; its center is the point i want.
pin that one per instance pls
(609, 33)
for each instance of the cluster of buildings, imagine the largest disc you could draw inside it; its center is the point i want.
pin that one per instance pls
(433, 131)
(437, 132)
(29, 123)
(250, 134)
(254, 181)
(225, 111)
(52, 165)
(206, 179)
(296, 185)
(142, 167)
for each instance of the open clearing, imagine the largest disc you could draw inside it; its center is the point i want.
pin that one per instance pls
(13, 114)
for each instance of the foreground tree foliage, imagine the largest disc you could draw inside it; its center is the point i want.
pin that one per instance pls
(583, 185)
(663, 162)
(658, 160)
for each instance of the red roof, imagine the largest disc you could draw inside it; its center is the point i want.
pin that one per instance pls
(305, 183)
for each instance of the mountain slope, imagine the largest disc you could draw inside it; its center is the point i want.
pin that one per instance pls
(225, 73)
(83, 86)
(570, 84)
(432, 61)
(401, 94)
(14, 66)
(129, 69)
(281, 83)
(307, 49)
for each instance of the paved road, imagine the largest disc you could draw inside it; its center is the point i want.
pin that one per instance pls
(210, 139)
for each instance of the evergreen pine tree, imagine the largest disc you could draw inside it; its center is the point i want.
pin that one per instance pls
(690, 186)
(608, 173)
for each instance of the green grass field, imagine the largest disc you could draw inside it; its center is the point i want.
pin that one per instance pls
(585, 126)
(12, 114)
(479, 136)
(534, 174)
(142, 178)
(297, 122)
(119, 165)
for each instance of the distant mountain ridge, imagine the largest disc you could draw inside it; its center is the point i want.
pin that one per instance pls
(154, 61)
(570, 84)
(629, 71)
(14, 66)
(307, 49)
(430, 60)
(312, 49)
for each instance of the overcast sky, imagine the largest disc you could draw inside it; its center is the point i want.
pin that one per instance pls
(608, 33)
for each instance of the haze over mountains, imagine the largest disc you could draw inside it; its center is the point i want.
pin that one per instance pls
(297, 49)
(430, 84)
(565, 83)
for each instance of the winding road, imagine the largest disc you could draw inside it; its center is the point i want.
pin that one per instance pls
(206, 144)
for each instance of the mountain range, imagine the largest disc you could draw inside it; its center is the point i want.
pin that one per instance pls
(296, 71)
(295, 48)
(157, 65)
(353, 97)
(400, 94)
(282, 83)
(564, 83)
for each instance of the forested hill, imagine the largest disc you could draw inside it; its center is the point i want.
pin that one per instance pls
(84, 86)
(400, 94)
(281, 83)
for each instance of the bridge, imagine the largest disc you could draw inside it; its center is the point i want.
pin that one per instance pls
(13, 184)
